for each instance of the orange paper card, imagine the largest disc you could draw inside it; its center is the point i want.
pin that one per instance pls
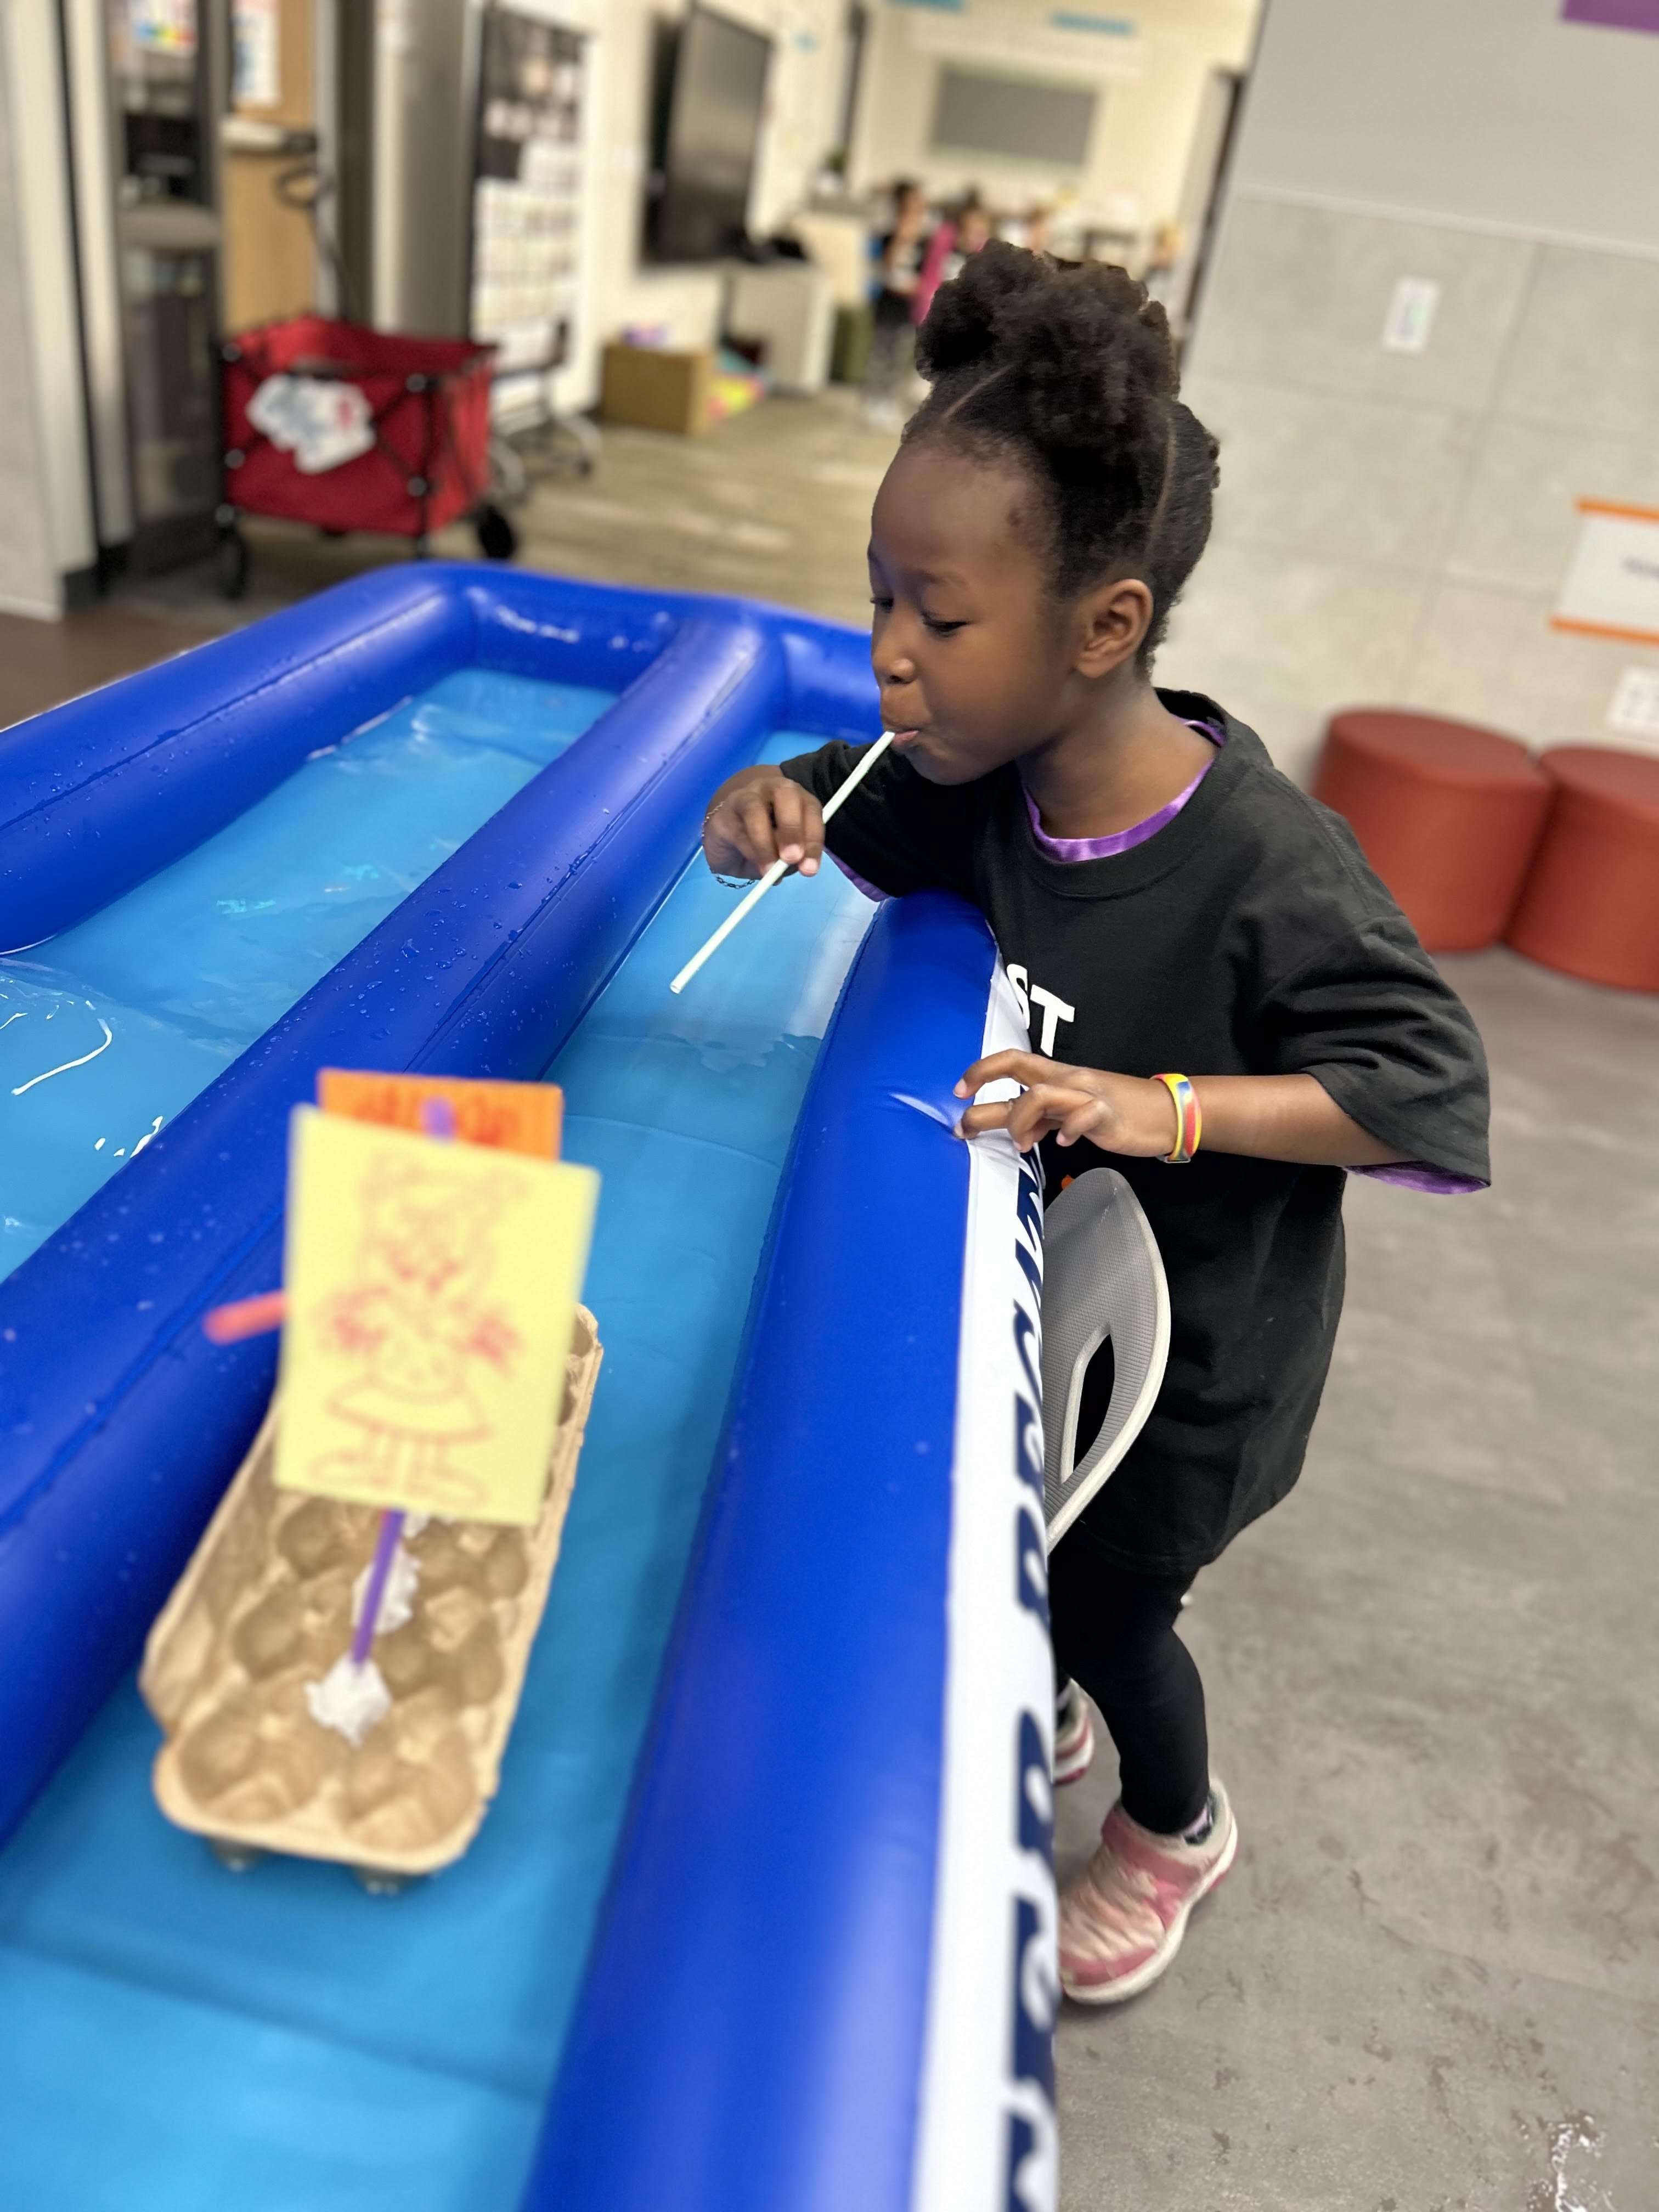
(431, 1297)
(513, 1117)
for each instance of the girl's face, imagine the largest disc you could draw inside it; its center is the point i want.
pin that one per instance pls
(971, 651)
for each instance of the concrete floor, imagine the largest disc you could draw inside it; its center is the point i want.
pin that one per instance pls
(44, 662)
(774, 504)
(1432, 1980)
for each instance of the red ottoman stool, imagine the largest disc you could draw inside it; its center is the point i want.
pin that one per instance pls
(1591, 902)
(1447, 814)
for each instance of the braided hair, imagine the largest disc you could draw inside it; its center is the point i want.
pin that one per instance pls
(1070, 371)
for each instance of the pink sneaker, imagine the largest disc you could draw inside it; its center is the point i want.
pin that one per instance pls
(1121, 1921)
(1074, 1734)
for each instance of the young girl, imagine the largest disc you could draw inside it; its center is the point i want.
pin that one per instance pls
(1226, 1004)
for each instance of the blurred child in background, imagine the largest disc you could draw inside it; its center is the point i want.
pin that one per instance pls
(900, 255)
(962, 234)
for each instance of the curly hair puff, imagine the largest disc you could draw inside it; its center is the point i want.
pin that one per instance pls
(1071, 372)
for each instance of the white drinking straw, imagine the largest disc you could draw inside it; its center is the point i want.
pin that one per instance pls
(780, 869)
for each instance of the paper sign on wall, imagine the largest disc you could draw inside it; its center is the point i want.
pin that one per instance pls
(1612, 587)
(1634, 710)
(255, 53)
(431, 1293)
(1410, 318)
(162, 27)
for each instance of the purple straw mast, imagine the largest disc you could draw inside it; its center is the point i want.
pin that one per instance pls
(386, 1550)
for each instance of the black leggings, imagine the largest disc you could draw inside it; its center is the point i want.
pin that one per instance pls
(1114, 1632)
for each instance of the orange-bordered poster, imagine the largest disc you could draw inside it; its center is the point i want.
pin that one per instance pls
(1612, 587)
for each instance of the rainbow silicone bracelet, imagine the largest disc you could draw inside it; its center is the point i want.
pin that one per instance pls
(1189, 1120)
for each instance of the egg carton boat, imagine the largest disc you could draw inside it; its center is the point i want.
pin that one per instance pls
(268, 1606)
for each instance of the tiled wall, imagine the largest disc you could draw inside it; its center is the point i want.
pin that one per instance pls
(28, 572)
(1392, 529)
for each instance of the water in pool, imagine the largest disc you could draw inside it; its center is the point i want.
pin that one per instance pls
(174, 2038)
(108, 1031)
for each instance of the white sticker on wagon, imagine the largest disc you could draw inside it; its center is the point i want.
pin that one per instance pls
(323, 423)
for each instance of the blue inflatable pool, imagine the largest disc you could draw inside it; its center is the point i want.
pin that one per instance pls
(762, 1916)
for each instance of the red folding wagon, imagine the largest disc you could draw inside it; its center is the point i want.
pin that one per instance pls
(328, 423)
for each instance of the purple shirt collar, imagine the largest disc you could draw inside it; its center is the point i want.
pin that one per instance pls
(1121, 840)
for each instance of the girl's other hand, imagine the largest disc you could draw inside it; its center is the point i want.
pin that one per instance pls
(1131, 1114)
(757, 816)
(1259, 1117)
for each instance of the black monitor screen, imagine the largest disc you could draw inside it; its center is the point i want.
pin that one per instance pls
(700, 210)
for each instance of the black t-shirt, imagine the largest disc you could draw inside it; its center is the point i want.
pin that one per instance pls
(1247, 936)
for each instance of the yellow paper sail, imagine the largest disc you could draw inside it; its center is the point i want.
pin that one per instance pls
(431, 1297)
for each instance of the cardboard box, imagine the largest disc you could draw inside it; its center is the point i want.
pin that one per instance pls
(657, 388)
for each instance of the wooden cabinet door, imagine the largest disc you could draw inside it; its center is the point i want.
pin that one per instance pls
(270, 258)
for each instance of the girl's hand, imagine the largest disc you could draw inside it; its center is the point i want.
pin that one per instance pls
(1128, 1114)
(758, 816)
(1261, 1117)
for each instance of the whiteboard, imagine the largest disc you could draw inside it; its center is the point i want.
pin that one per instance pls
(1017, 119)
